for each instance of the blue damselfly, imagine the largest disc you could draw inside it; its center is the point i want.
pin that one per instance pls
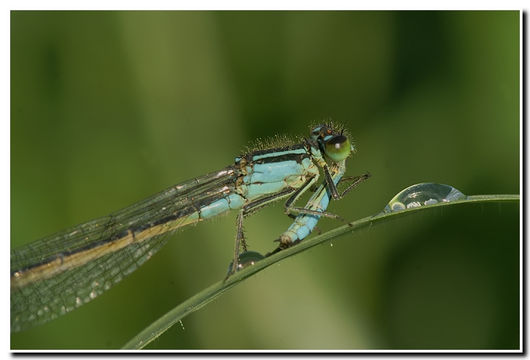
(56, 274)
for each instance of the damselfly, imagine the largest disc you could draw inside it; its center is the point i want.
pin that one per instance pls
(56, 274)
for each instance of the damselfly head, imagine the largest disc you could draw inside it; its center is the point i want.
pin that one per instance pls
(333, 142)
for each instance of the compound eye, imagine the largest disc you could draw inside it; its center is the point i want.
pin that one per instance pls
(337, 148)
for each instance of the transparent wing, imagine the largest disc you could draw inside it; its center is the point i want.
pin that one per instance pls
(45, 300)
(38, 301)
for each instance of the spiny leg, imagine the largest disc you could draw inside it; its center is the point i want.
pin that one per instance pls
(302, 189)
(298, 210)
(293, 211)
(331, 185)
(355, 180)
(239, 242)
(248, 209)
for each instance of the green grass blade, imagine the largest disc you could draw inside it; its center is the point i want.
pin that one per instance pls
(202, 298)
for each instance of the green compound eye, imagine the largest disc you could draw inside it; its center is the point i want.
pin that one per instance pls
(338, 148)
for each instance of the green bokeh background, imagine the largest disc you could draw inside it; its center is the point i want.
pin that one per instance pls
(110, 107)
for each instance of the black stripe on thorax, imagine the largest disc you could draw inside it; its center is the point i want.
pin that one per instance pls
(284, 148)
(281, 158)
(298, 157)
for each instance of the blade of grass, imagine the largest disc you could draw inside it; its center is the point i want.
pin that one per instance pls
(207, 295)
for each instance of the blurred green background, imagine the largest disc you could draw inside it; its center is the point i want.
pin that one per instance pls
(110, 107)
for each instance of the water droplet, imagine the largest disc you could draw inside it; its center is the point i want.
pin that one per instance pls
(182, 324)
(78, 301)
(93, 294)
(246, 258)
(423, 194)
